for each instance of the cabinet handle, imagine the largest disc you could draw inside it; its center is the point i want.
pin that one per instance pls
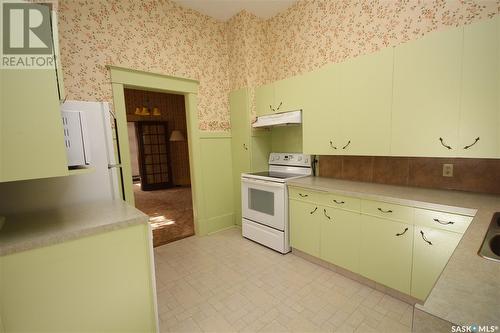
(402, 233)
(271, 108)
(425, 239)
(384, 211)
(279, 106)
(303, 195)
(472, 144)
(331, 145)
(245, 146)
(338, 202)
(324, 212)
(347, 145)
(314, 211)
(444, 144)
(443, 222)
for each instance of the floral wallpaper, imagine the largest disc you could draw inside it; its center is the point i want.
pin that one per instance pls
(149, 35)
(162, 37)
(313, 33)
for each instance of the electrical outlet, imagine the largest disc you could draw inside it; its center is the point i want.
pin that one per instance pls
(447, 170)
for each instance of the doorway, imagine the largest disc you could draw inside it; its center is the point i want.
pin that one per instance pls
(159, 153)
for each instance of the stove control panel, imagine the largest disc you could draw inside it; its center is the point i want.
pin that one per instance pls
(291, 159)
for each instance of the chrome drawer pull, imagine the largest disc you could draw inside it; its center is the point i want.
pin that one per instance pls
(425, 239)
(347, 145)
(402, 233)
(324, 212)
(303, 195)
(331, 145)
(314, 211)
(384, 211)
(339, 202)
(444, 222)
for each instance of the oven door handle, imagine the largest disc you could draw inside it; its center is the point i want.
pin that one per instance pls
(262, 182)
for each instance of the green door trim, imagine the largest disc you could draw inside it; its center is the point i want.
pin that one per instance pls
(124, 78)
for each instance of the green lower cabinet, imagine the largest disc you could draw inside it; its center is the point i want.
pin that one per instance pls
(386, 252)
(305, 227)
(340, 237)
(432, 250)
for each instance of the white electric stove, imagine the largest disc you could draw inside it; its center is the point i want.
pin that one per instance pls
(265, 199)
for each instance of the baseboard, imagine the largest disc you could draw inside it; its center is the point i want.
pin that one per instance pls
(217, 223)
(359, 278)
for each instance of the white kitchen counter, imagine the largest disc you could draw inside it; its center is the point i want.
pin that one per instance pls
(468, 290)
(28, 231)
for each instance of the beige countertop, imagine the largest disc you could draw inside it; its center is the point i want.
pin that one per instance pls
(28, 231)
(468, 290)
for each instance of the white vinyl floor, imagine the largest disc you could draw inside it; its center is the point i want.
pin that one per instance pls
(225, 283)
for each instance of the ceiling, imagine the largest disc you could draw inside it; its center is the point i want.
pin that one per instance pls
(224, 9)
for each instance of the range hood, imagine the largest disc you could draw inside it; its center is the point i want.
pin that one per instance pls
(279, 119)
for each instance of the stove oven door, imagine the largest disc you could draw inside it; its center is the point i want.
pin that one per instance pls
(264, 202)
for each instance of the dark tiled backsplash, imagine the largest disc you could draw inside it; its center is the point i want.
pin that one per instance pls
(473, 175)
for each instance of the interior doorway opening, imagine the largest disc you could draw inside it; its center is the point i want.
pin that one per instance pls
(158, 141)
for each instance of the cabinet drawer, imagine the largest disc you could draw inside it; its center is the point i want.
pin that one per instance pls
(306, 195)
(387, 210)
(440, 220)
(342, 202)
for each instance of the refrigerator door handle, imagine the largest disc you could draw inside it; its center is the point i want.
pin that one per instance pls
(112, 166)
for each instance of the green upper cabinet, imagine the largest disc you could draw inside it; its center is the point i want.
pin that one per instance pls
(350, 112)
(321, 119)
(339, 237)
(264, 99)
(305, 219)
(293, 93)
(432, 250)
(425, 112)
(386, 252)
(31, 131)
(479, 107)
(365, 104)
(437, 96)
(290, 94)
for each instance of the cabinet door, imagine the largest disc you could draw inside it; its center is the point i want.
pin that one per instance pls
(427, 76)
(264, 99)
(305, 227)
(240, 145)
(293, 93)
(432, 250)
(365, 104)
(322, 127)
(32, 132)
(386, 252)
(479, 109)
(340, 232)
